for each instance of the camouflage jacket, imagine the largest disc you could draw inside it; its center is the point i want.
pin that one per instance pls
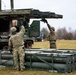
(17, 39)
(52, 35)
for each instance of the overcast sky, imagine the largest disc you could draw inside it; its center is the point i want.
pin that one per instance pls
(63, 7)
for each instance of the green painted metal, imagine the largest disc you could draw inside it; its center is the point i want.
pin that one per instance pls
(56, 66)
(12, 4)
(51, 60)
(42, 66)
(0, 5)
(35, 29)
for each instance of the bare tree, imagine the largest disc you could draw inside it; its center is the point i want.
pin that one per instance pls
(74, 35)
(64, 34)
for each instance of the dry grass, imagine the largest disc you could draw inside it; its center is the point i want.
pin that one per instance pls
(7, 71)
(66, 44)
(61, 44)
(45, 44)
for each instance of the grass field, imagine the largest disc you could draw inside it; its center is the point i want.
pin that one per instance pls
(61, 44)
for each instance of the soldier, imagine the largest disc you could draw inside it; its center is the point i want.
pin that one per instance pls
(52, 36)
(17, 43)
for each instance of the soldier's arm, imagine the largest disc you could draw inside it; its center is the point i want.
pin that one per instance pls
(49, 27)
(45, 21)
(22, 31)
(9, 44)
(47, 24)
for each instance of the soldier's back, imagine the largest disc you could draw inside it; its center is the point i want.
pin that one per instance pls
(16, 40)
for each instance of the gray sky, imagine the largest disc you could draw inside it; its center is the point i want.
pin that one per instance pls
(63, 7)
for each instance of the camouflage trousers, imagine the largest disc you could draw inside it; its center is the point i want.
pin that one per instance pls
(52, 43)
(18, 53)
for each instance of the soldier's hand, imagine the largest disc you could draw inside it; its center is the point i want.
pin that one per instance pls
(44, 20)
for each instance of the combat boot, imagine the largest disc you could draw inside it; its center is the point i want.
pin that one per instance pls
(18, 69)
(21, 69)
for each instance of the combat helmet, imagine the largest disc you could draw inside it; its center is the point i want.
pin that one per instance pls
(53, 28)
(13, 29)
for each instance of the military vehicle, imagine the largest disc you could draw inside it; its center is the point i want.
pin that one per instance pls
(23, 16)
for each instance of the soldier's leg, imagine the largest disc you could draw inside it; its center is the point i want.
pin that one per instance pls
(52, 44)
(15, 54)
(21, 56)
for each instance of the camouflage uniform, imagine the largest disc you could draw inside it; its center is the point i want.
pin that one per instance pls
(52, 37)
(16, 41)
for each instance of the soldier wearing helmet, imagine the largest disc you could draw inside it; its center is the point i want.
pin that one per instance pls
(13, 30)
(17, 43)
(52, 36)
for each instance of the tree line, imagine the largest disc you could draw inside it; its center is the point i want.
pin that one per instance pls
(61, 33)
